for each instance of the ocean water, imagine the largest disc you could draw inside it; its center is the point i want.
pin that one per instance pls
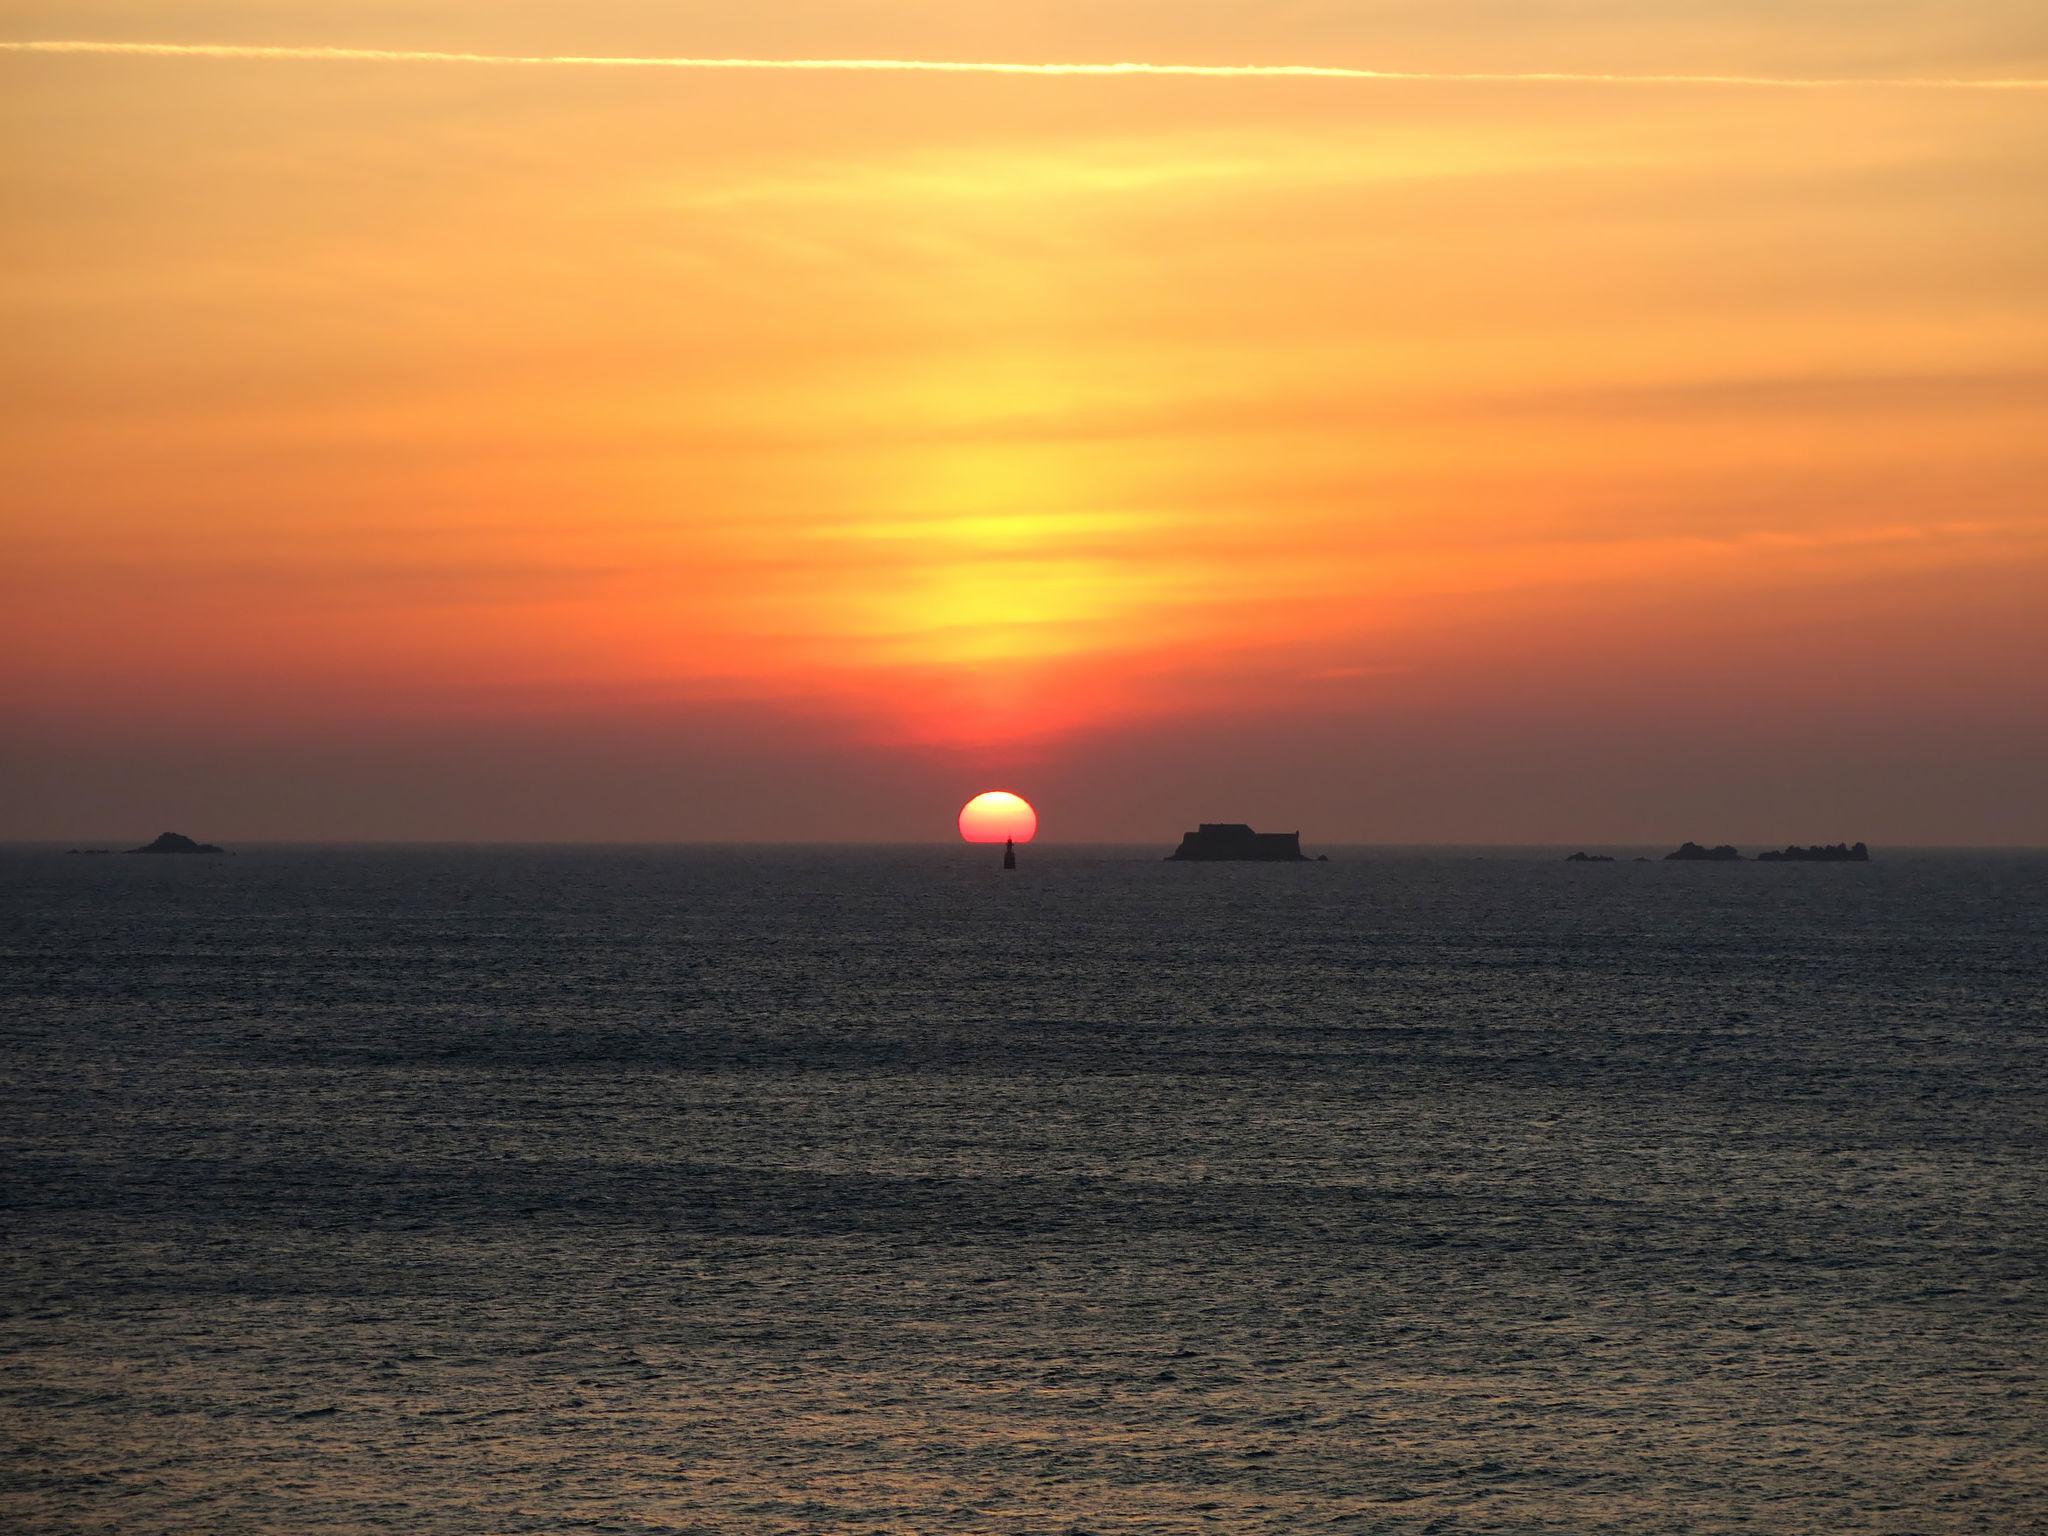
(861, 1191)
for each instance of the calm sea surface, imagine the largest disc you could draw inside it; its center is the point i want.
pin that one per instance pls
(645, 1190)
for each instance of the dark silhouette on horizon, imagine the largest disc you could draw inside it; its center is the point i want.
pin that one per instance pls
(1009, 853)
(177, 842)
(1589, 858)
(1817, 853)
(1221, 840)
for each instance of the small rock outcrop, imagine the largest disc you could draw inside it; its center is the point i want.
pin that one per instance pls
(1695, 851)
(1590, 858)
(1219, 840)
(1819, 853)
(177, 842)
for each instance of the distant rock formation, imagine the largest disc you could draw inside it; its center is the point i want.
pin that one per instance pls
(1818, 853)
(177, 842)
(1218, 840)
(1591, 858)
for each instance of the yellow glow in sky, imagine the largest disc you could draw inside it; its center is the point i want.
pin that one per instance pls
(1021, 420)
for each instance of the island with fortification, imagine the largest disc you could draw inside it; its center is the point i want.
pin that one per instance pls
(1215, 841)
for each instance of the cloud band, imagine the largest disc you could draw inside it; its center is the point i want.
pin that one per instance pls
(235, 51)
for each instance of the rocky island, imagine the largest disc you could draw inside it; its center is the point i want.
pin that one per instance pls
(1218, 840)
(177, 842)
(1695, 851)
(1589, 858)
(1818, 853)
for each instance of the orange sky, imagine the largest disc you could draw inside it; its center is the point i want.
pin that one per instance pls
(410, 449)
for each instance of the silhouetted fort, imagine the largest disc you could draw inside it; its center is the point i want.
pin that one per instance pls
(1235, 840)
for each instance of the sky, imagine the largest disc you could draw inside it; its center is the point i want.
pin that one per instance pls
(413, 449)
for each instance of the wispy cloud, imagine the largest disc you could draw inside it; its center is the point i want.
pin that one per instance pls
(1121, 70)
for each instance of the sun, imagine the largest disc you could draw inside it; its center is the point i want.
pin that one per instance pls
(995, 815)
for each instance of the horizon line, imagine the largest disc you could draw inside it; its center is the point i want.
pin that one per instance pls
(1769, 844)
(1119, 70)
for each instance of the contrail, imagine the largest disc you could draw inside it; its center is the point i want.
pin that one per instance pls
(998, 67)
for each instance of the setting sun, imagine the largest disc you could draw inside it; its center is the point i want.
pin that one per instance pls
(996, 815)
(740, 423)
(1512, 537)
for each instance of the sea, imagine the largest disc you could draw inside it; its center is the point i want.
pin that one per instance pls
(862, 1190)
